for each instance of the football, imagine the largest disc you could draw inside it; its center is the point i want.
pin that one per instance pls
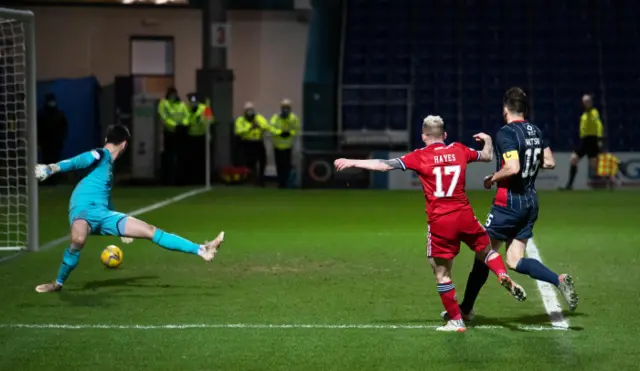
(111, 256)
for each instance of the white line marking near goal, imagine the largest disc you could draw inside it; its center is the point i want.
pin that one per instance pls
(141, 211)
(548, 293)
(51, 326)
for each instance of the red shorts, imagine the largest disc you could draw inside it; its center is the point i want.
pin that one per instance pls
(447, 231)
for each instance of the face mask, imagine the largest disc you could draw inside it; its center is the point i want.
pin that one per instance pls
(285, 112)
(249, 114)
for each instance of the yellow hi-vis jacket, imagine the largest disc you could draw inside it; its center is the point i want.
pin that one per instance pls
(590, 124)
(199, 120)
(173, 114)
(291, 124)
(252, 131)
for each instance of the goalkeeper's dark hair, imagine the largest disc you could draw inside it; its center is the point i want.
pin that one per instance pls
(117, 134)
(516, 101)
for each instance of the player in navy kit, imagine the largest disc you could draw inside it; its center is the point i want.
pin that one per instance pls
(520, 152)
(442, 172)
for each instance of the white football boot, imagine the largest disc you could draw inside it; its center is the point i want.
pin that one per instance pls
(49, 287)
(453, 326)
(210, 249)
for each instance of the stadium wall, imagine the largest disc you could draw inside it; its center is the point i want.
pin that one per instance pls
(267, 48)
(547, 179)
(76, 42)
(267, 55)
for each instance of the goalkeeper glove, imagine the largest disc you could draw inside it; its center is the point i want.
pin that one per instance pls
(43, 172)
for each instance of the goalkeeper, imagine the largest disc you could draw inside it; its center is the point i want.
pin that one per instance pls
(91, 211)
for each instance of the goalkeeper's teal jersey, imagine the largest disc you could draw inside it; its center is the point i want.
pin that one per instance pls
(95, 188)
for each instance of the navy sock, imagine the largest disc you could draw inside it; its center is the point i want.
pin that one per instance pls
(573, 170)
(477, 278)
(535, 269)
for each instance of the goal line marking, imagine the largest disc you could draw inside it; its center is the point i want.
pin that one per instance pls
(146, 209)
(51, 326)
(548, 293)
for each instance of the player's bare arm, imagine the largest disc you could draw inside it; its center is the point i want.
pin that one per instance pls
(510, 168)
(486, 154)
(373, 165)
(548, 162)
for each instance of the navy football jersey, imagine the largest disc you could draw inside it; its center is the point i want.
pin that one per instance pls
(521, 140)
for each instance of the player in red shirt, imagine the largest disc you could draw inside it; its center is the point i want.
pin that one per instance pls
(442, 169)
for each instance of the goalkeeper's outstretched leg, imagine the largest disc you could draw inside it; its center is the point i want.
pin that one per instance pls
(136, 228)
(128, 228)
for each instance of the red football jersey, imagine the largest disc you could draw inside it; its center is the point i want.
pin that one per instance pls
(441, 169)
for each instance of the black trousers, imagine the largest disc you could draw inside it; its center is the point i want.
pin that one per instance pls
(175, 157)
(170, 158)
(255, 158)
(196, 162)
(283, 166)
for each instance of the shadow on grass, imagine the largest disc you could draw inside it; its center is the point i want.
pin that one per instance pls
(89, 300)
(85, 296)
(533, 319)
(132, 282)
(101, 293)
(116, 282)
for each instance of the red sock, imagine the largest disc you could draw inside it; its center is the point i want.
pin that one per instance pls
(495, 264)
(447, 293)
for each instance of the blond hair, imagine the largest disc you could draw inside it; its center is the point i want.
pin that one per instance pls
(433, 125)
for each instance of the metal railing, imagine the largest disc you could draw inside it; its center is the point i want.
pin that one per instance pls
(398, 134)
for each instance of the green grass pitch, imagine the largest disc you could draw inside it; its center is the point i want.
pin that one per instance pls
(321, 258)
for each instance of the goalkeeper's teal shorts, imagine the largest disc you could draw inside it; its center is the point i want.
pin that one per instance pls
(101, 220)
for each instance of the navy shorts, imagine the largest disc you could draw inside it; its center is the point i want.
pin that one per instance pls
(504, 223)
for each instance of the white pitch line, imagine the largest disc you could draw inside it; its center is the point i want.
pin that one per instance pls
(141, 211)
(548, 293)
(52, 326)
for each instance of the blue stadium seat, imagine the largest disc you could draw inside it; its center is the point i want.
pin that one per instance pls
(398, 117)
(552, 48)
(351, 118)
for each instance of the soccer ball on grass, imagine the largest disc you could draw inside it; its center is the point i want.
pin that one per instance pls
(111, 256)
